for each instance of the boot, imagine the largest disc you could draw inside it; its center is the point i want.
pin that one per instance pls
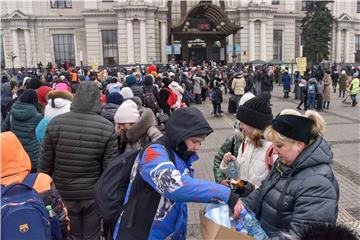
(327, 105)
(324, 104)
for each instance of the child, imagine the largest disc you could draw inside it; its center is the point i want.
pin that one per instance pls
(311, 93)
(217, 99)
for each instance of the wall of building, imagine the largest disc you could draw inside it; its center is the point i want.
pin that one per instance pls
(86, 19)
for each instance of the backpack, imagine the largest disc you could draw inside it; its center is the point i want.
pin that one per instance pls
(111, 188)
(172, 99)
(312, 89)
(23, 212)
(150, 101)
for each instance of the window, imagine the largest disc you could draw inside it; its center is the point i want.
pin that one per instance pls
(2, 53)
(110, 47)
(357, 48)
(64, 48)
(61, 4)
(358, 6)
(275, 2)
(277, 45)
(305, 5)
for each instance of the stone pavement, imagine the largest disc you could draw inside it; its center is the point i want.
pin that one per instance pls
(342, 132)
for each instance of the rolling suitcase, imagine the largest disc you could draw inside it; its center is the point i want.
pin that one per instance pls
(232, 107)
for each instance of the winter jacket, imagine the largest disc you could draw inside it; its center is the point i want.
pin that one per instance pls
(216, 95)
(232, 145)
(327, 87)
(142, 132)
(78, 145)
(109, 111)
(286, 80)
(174, 182)
(22, 120)
(252, 162)
(303, 194)
(238, 85)
(342, 82)
(59, 102)
(16, 165)
(138, 92)
(163, 97)
(354, 86)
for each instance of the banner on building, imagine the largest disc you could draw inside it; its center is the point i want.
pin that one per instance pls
(229, 49)
(177, 49)
(168, 49)
(237, 48)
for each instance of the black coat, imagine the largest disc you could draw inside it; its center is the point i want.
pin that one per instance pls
(302, 195)
(78, 146)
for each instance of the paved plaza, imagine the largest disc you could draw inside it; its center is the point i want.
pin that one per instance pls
(342, 132)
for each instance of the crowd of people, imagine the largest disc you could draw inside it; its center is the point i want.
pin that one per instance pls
(68, 125)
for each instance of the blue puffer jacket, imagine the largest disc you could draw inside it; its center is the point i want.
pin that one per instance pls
(23, 119)
(286, 79)
(175, 182)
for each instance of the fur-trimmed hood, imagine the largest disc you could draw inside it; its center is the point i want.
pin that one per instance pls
(60, 94)
(58, 102)
(141, 127)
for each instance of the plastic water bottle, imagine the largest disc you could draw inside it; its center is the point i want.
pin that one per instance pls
(54, 222)
(232, 171)
(252, 225)
(240, 228)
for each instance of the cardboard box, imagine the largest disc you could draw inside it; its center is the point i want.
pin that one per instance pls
(213, 231)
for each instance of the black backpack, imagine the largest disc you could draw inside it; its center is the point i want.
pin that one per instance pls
(111, 188)
(150, 101)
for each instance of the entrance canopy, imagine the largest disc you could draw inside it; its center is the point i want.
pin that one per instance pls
(205, 21)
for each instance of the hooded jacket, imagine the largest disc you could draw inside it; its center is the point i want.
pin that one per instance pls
(58, 102)
(109, 111)
(174, 182)
(22, 120)
(142, 132)
(16, 165)
(78, 145)
(302, 195)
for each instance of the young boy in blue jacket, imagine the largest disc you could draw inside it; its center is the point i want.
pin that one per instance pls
(185, 130)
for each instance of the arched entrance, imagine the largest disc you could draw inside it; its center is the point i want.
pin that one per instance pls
(202, 33)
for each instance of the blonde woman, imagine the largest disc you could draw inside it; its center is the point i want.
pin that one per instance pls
(301, 188)
(255, 154)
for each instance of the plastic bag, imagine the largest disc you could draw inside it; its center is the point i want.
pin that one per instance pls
(219, 213)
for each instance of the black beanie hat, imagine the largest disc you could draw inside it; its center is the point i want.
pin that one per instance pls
(115, 98)
(256, 112)
(295, 127)
(29, 96)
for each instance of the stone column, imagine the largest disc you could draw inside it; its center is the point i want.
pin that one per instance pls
(347, 46)
(143, 39)
(229, 54)
(338, 45)
(28, 48)
(16, 48)
(163, 37)
(251, 40)
(263, 40)
(130, 41)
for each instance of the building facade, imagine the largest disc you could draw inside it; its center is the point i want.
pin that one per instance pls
(110, 32)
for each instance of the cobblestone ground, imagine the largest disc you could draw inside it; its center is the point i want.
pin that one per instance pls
(342, 132)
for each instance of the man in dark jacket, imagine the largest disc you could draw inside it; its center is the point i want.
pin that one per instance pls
(77, 148)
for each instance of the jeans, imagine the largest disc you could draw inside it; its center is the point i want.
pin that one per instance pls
(84, 220)
(353, 99)
(217, 108)
(311, 102)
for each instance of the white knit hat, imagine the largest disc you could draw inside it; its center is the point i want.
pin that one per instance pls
(126, 92)
(127, 112)
(245, 97)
